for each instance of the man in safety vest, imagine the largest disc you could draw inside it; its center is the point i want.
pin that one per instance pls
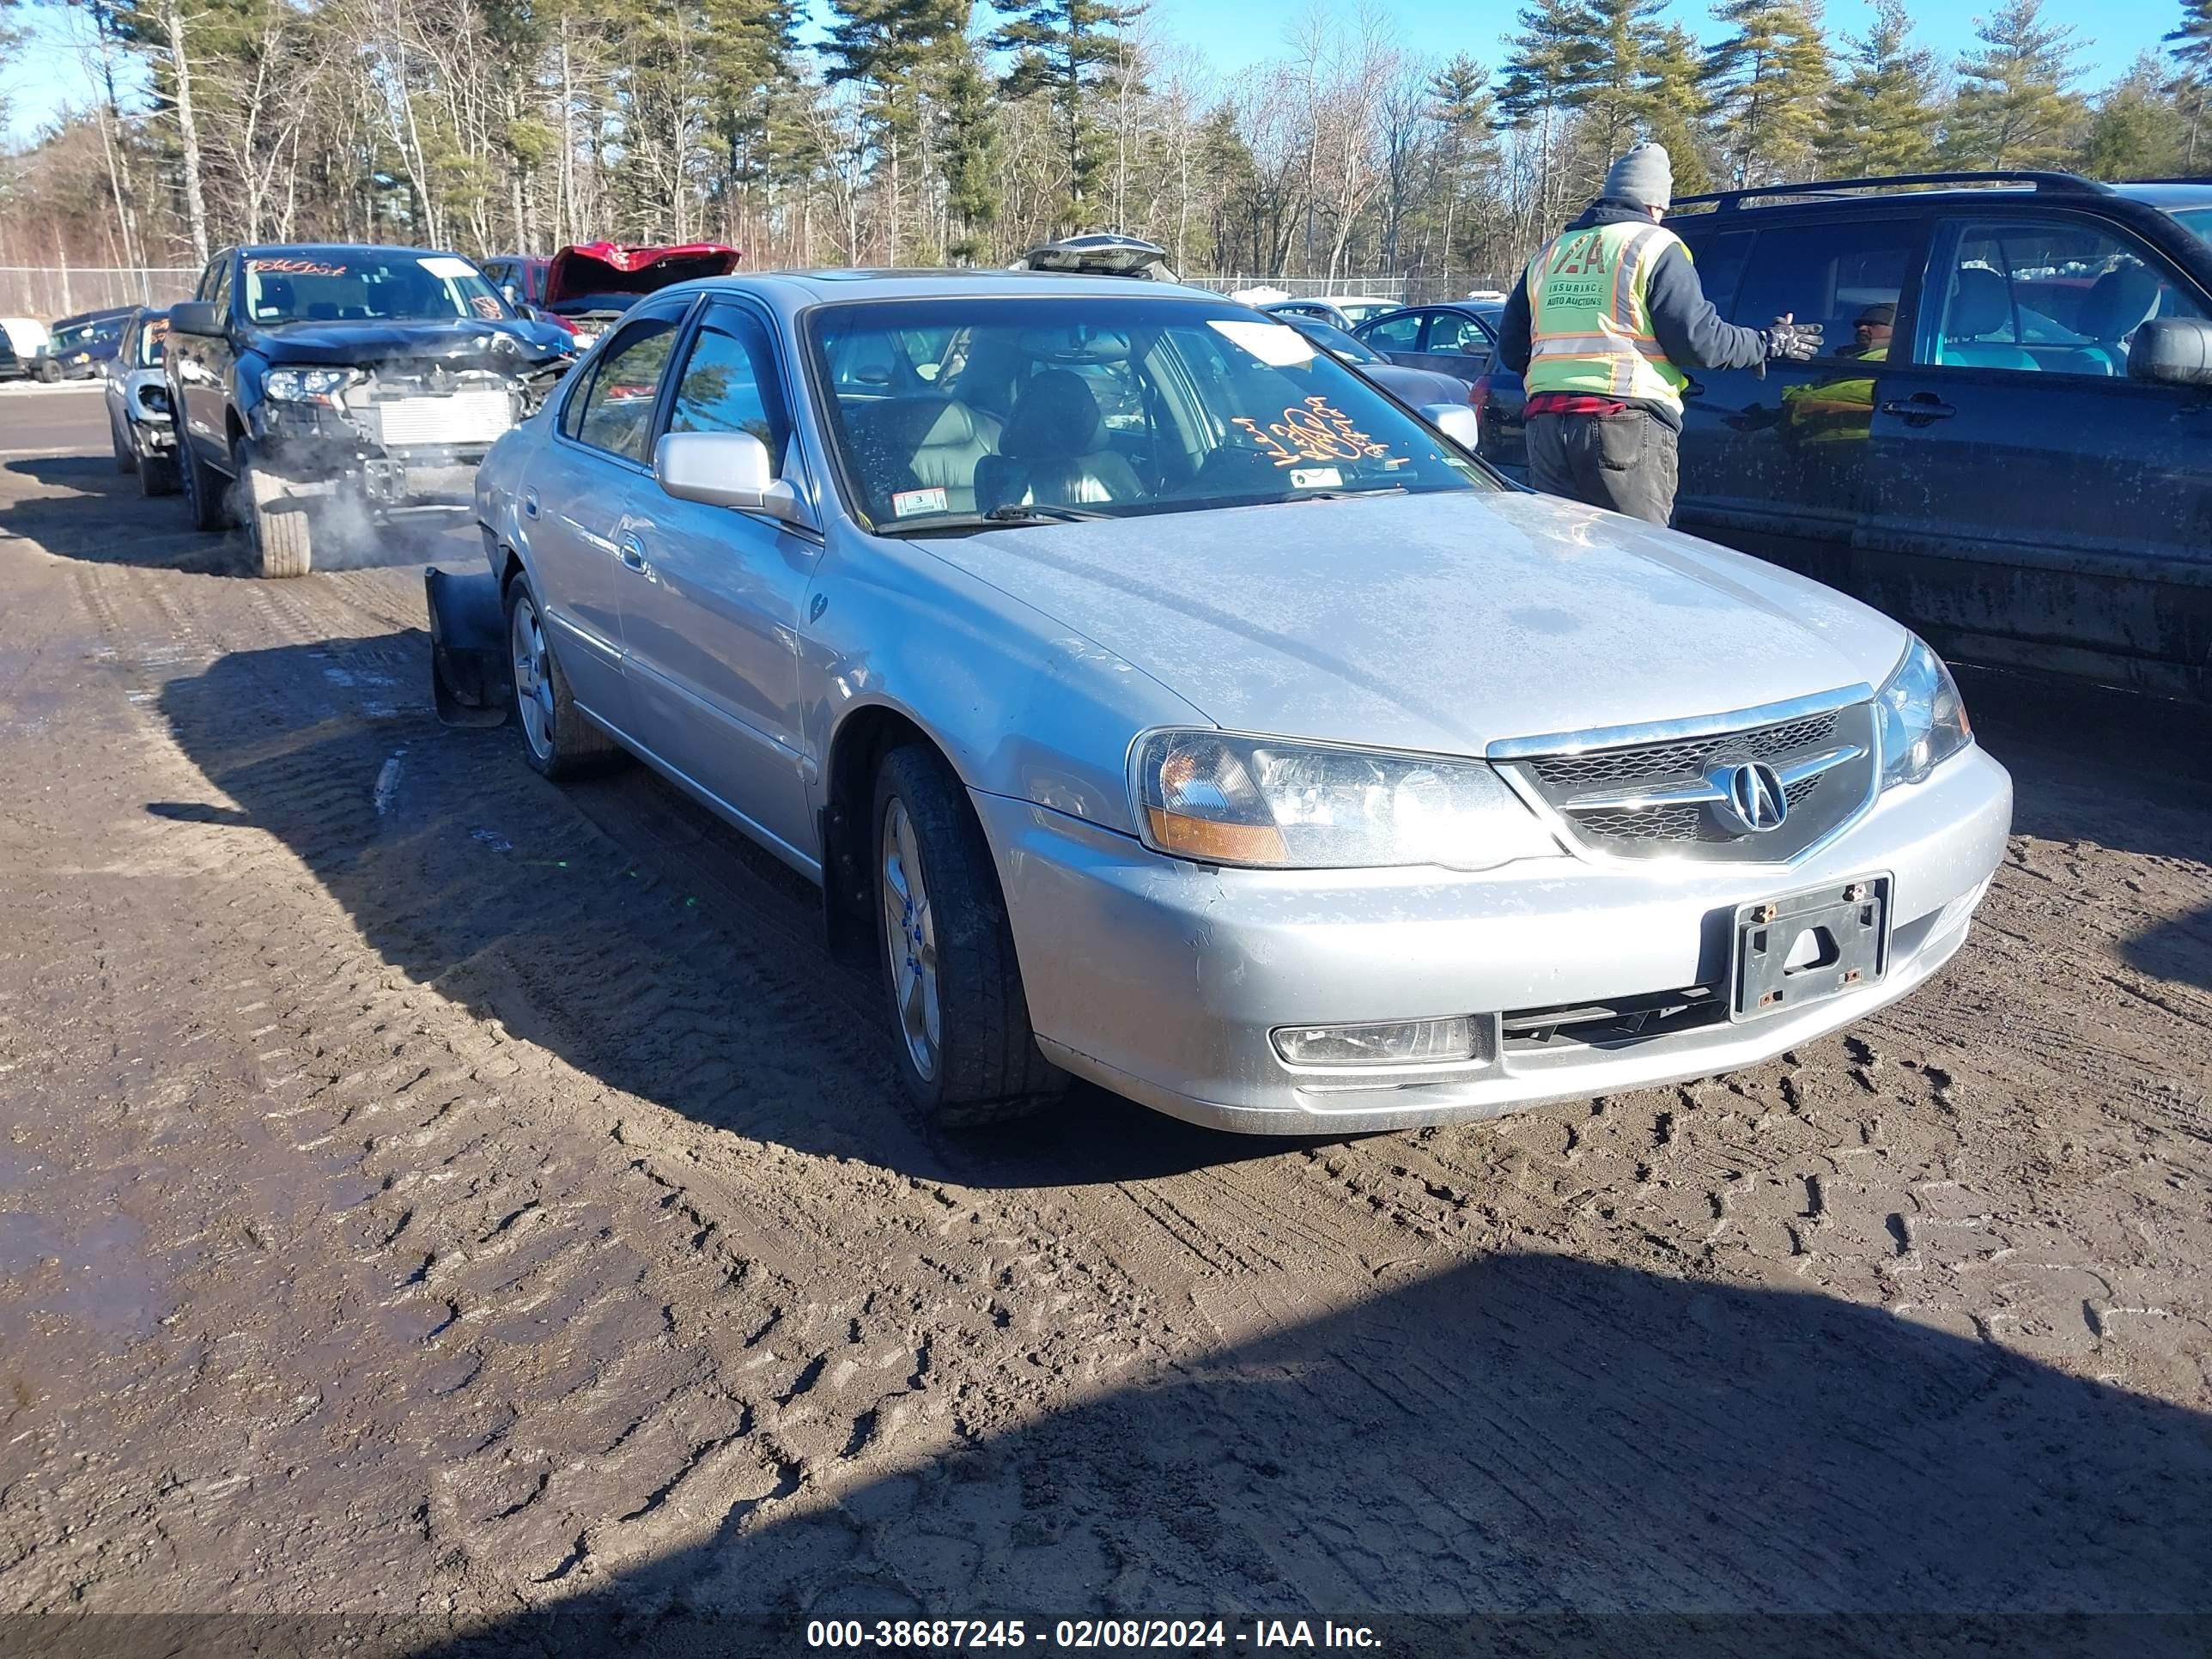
(1600, 329)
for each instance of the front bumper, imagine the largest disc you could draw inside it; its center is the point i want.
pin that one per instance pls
(1162, 980)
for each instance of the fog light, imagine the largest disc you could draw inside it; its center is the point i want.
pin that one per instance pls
(1398, 1042)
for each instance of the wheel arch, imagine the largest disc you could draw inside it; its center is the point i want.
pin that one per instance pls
(857, 745)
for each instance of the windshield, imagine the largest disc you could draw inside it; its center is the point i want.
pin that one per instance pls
(2198, 220)
(1361, 311)
(357, 285)
(77, 336)
(1333, 340)
(942, 410)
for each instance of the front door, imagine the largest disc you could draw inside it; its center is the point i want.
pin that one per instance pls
(1776, 464)
(1456, 343)
(711, 627)
(577, 499)
(2030, 503)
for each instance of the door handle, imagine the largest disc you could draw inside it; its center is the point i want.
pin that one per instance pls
(529, 503)
(1920, 406)
(632, 554)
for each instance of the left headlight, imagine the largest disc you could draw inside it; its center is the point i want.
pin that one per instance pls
(1221, 798)
(1923, 720)
(307, 385)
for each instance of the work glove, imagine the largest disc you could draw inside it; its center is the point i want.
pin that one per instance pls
(1791, 341)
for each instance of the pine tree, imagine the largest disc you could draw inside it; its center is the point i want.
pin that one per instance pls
(2134, 134)
(1885, 115)
(1769, 79)
(1465, 117)
(2191, 46)
(1065, 49)
(1675, 107)
(968, 152)
(1614, 96)
(1547, 74)
(881, 46)
(2014, 109)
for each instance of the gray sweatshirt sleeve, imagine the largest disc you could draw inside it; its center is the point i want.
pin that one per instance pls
(1688, 328)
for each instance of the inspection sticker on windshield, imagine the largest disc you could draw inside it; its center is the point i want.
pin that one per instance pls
(908, 502)
(1276, 344)
(1316, 478)
(445, 265)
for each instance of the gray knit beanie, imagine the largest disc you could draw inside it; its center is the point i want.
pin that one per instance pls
(1644, 176)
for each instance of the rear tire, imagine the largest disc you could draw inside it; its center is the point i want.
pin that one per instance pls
(277, 527)
(960, 1020)
(558, 739)
(203, 487)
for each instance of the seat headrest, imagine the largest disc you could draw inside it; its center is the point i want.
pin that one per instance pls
(913, 423)
(1054, 418)
(2121, 301)
(1981, 304)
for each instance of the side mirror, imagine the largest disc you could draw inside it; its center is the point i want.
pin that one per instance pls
(2173, 351)
(1456, 422)
(196, 317)
(723, 469)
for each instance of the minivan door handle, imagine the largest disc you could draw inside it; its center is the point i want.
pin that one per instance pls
(632, 551)
(1920, 406)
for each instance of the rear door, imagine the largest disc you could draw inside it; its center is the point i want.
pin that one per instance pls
(710, 627)
(1456, 343)
(1776, 465)
(577, 497)
(2030, 504)
(1397, 336)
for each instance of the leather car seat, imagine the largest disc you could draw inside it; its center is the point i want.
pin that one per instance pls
(1981, 303)
(1054, 451)
(922, 443)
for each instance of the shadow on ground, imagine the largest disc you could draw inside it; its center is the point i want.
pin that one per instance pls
(1569, 1444)
(102, 518)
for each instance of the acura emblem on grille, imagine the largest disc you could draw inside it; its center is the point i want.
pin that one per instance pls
(1752, 799)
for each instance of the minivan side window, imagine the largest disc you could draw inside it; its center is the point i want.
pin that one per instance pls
(1844, 277)
(615, 411)
(2052, 297)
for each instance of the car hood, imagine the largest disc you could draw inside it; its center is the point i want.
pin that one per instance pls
(459, 342)
(1417, 386)
(1439, 622)
(596, 268)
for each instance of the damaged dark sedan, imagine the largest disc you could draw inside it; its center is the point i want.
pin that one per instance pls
(321, 387)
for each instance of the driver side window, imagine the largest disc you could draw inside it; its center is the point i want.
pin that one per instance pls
(728, 384)
(2056, 297)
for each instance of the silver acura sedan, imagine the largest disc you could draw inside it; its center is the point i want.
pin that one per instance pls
(1161, 703)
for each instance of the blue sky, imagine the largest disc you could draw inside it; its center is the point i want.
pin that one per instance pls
(1230, 34)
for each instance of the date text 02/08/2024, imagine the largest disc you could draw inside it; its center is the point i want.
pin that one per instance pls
(962, 1635)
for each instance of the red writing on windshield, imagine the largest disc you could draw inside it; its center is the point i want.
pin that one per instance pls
(1312, 431)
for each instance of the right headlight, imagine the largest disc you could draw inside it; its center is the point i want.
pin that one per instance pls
(1924, 721)
(1221, 798)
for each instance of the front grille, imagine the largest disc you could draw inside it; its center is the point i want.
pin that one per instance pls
(460, 418)
(1616, 1023)
(1818, 803)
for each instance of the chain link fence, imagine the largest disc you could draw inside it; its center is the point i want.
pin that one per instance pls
(46, 292)
(1401, 290)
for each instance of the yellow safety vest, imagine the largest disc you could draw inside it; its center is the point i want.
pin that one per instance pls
(1590, 326)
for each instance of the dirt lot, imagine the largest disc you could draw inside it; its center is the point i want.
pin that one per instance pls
(432, 1195)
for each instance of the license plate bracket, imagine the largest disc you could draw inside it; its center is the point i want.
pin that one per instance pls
(1809, 946)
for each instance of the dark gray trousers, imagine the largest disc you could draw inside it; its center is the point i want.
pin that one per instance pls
(1625, 462)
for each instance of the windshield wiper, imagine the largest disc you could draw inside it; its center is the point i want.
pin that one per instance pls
(1012, 512)
(1345, 495)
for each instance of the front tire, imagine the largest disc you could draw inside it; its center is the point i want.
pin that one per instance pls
(157, 475)
(277, 527)
(966, 1052)
(48, 371)
(126, 459)
(558, 739)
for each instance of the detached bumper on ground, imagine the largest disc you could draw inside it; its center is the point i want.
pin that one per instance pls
(1165, 981)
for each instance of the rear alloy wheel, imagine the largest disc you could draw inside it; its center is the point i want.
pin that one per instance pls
(967, 1055)
(277, 527)
(558, 739)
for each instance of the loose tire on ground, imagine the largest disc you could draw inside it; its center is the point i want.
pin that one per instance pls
(277, 527)
(203, 486)
(960, 1019)
(558, 739)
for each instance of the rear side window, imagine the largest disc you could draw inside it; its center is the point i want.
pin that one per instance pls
(1397, 333)
(614, 412)
(1836, 275)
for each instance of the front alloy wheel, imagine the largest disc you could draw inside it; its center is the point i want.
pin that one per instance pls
(910, 942)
